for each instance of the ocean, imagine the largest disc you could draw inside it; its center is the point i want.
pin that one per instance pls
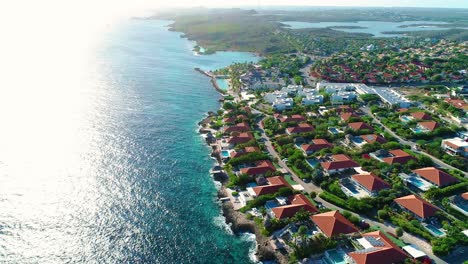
(127, 181)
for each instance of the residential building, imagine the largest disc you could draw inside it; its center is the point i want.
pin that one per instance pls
(293, 118)
(455, 146)
(300, 128)
(333, 223)
(241, 127)
(261, 168)
(416, 205)
(436, 176)
(377, 248)
(315, 145)
(347, 115)
(244, 151)
(421, 116)
(240, 138)
(357, 126)
(392, 156)
(457, 103)
(297, 203)
(360, 141)
(370, 183)
(425, 127)
(338, 163)
(273, 186)
(389, 96)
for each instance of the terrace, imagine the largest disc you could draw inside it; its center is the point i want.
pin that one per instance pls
(353, 189)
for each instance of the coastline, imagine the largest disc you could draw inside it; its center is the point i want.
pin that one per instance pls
(237, 221)
(212, 80)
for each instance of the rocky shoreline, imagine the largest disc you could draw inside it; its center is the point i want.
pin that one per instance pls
(237, 220)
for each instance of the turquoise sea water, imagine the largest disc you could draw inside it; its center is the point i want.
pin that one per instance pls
(133, 186)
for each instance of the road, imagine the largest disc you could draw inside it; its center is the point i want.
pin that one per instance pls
(310, 187)
(413, 145)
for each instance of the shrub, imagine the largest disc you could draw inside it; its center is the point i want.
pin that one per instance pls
(399, 231)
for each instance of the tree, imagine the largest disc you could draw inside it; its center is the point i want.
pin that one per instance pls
(313, 195)
(399, 231)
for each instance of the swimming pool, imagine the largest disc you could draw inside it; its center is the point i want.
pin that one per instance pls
(225, 154)
(333, 130)
(271, 204)
(223, 84)
(312, 162)
(406, 118)
(434, 230)
(418, 130)
(335, 256)
(419, 183)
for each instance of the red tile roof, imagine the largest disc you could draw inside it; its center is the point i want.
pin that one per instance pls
(317, 144)
(417, 205)
(371, 182)
(241, 127)
(240, 138)
(436, 176)
(372, 138)
(421, 115)
(384, 251)
(275, 183)
(398, 156)
(360, 125)
(339, 161)
(457, 103)
(333, 223)
(429, 125)
(301, 128)
(293, 118)
(242, 152)
(261, 167)
(231, 119)
(298, 202)
(347, 115)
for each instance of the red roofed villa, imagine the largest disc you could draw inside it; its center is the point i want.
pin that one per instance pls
(418, 206)
(333, 223)
(293, 118)
(436, 176)
(316, 145)
(392, 156)
(240, 138)
(301, 128)
(261, 168)
(338, 163)
(370, 183)
(241, 127)
(427, 126)
(421, 116)
(297, 202)
(274, 184)
(356, 126)
(377, 248)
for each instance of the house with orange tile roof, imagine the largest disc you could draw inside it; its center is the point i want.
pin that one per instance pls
(377, 248)
(370, 183)
(333, 223)
(425, 127)
(417, 205)
(261, 168)
(300, 128)
(244, 151)
(273, 186)
(436, 176)
(338, 163)
(457, 103)
(315, 145)
(347, 115)
(360, 141)
(240, 138)
(421, 116)
(455, 146)
(241, 127)
(357, 126)
(293, 118)
(297, 203)
(392, 156)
